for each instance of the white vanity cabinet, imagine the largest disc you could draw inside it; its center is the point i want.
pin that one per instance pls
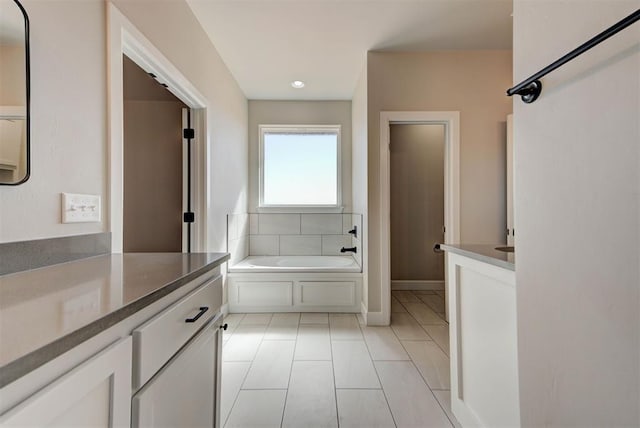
(159, 350)
(483, 343)
(177, 357)
(93, 394)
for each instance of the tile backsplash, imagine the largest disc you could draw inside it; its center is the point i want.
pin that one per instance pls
(292, 234)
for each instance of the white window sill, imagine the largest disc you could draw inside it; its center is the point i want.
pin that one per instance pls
(300, 209)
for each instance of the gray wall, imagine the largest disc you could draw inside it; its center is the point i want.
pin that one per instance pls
(417, 201)
(299, 113)
(471, 82)
(152, 164)
(577, 188)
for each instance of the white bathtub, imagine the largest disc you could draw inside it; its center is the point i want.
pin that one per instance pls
(296, 264)
(295, 284)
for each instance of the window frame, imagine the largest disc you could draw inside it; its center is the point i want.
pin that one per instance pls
(294, 129)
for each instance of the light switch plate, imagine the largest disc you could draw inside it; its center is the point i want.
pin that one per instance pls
(80, 208)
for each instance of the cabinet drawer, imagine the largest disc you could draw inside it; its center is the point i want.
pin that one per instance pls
(157, 340)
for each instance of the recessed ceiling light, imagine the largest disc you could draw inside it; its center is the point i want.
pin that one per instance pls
(297, 84)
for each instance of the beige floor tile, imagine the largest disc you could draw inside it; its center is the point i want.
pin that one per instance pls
(407, 328)
(256, 319)
(441, 293)
(257, 408)
(434, 301)
(383, 344)
(423, 314)
(405, 296)
(423, 292)
(285, 319)
(313, 344)
(233, 375)
(344, 327)
(359, 408)
(232, 321)
(396, 306)
(360, 319)
(244, 343)
(412, 403)
(314, 318)
(311, 398)
(440, 334)
(283, 327)
(444, 398)
(432, 363)
(271, 366)
(352, 365)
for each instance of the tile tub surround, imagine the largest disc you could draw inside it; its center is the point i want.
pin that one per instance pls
(303, 234)
(114, 286)
(340, 373)
(237, 237)
(25, 255)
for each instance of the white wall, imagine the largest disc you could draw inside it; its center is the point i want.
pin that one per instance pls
(69, 113)
(68, 119)
(577, 187)
(471, 82)
(299, 113)
(176, 32)
(359, 171)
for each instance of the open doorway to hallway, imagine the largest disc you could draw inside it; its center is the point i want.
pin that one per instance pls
(154, 173)
(417, 161)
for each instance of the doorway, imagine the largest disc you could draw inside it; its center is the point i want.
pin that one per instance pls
(417, 205)
(125, 38)
(451, 122)
(153, 164)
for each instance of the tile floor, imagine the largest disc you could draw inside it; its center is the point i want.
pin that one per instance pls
(328, 370)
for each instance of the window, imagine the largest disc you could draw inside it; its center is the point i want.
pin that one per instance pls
(300, 166)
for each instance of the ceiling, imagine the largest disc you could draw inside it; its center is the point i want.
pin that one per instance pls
(267, 44)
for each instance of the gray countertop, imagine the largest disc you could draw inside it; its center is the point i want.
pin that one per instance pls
(484, 253)
(45, 312)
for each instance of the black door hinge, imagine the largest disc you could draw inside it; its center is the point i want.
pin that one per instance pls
(189, 133)
(189, 217)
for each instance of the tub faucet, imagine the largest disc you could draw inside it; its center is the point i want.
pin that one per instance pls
(344, 250)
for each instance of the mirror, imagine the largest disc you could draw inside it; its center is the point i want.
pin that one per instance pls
(14, 93)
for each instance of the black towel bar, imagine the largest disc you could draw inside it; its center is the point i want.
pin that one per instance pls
(530, 89)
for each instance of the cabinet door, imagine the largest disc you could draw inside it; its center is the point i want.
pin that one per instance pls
(184, 392)
(94, 394)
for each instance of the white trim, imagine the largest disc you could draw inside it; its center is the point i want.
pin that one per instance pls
(224, 309)
(125, 38)
(376, 318)
(417, 285)
(451, 120)
(364, 312)
(262, 207)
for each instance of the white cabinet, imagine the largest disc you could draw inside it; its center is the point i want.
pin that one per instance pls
(184, 392)
(483, 343)
(94, 394)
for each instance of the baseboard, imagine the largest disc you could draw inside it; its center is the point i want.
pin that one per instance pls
(363, 312)
(417, 285)
(376, 318)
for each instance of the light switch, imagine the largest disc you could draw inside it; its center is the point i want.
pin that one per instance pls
(80, 208)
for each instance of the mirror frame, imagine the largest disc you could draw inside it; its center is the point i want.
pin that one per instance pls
(28, 96)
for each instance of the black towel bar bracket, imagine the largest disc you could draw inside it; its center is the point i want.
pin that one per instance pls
(530, 89)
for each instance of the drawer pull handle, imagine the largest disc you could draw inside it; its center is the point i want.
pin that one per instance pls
(203, 309)
(225, 326)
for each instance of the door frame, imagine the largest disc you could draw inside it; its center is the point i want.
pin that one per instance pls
(124, 38)
(451, 122)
